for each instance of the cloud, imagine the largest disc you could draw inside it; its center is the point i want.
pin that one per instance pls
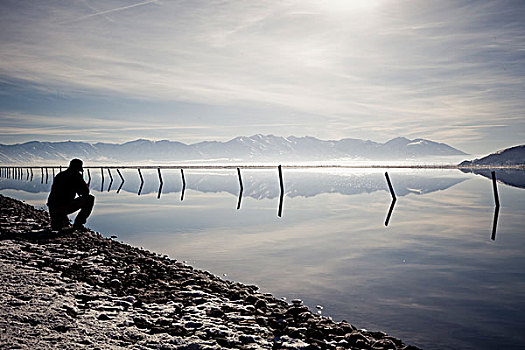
(390, 68)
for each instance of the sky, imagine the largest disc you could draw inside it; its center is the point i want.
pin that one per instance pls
(189, 71)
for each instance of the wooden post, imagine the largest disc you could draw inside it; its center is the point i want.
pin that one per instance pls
(160, 176)
(110, 181)
(89, 178)
(496, 202)
(47, 175)
(102, 179)
(27, 170)
(495, 187)
(281, 197)
(31, 174)
(160, 184)
(141, 182)
(121, 182)
(240, 189)
(119, 174)
(53, 172)
(183, 184)
(390, 186)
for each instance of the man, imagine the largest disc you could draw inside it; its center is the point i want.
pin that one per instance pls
(63, 201)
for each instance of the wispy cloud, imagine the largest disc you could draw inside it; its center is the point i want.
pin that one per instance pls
(100, 13)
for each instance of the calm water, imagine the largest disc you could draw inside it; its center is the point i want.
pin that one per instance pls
(433, 276)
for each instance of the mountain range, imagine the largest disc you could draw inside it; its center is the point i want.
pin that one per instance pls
(253, 148)
(509, 156)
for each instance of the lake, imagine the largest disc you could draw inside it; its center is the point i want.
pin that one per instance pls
(446, 272)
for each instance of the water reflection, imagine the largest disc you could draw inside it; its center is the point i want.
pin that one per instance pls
(510, 177)
(390, 210)
(264, 184)
(495, 223)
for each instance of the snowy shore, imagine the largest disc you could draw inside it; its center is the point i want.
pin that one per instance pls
(81, 290)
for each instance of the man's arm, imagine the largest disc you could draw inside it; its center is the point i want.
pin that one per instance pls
(82, 187)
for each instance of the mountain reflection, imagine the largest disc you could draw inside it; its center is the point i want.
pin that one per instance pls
(510, 177)
(257, 184)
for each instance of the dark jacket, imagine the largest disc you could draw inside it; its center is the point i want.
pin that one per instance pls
(66, 185)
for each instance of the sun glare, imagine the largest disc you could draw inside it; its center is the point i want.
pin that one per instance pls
(348, 5)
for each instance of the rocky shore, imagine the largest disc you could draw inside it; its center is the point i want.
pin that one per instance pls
(81, 290)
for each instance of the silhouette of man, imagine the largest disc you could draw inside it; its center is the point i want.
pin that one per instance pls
(62, 199)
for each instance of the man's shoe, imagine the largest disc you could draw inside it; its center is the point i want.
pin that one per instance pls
(60, 228)
(80, 227)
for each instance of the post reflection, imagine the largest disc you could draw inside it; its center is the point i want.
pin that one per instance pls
(390, 210)
(495, 223)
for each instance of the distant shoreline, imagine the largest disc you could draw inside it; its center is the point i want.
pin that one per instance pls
(284, 165)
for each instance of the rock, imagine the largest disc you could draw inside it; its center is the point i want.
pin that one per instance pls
(356, 338)
(192, 324)
(62, 328)
(214, 312)
(383, 344)
(247, 339)
(297, 302)
(142, 322)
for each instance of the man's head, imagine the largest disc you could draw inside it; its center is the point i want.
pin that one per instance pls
(76, 165)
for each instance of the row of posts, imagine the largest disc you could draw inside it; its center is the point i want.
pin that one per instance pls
(18, 173)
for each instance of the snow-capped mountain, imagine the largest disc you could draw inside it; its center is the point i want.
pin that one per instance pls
(509, 156)
(254, 148)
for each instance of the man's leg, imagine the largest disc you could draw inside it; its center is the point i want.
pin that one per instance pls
(58, 218)
(85, 204)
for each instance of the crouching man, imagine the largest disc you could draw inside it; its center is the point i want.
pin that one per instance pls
(63, 199)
